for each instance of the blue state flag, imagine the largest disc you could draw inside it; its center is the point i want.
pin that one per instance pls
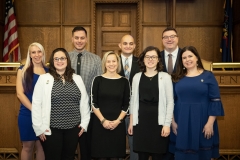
(226, 43)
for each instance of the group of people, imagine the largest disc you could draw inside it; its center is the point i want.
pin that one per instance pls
(165, 102)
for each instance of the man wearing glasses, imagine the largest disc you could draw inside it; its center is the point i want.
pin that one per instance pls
(170, 54)
(171, 50)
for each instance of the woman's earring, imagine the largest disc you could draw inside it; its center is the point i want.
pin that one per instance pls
(184, 68)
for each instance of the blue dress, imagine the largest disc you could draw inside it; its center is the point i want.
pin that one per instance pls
(25, 116)
(196, 98)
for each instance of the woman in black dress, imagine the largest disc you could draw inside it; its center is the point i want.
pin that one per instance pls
(151, 106)
(110, 101)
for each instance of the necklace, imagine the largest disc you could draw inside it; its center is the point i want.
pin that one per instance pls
(62, 78)
(150, 78)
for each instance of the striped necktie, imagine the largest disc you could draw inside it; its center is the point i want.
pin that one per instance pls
(126, 69)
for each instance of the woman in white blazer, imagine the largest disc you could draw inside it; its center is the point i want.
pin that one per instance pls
(60, 109)
(151, 106)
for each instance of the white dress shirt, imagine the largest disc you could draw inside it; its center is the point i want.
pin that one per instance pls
(174, 57)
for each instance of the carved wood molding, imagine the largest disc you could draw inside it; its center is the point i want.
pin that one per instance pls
(138, 21)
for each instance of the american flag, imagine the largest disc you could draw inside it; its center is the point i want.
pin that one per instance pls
(11, 50)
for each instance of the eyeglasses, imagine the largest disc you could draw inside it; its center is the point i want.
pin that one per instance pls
(167, 37)
(151, 57)
(56, 59)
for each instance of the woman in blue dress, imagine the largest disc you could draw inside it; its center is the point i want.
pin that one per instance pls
(27, 77)
(194, 133)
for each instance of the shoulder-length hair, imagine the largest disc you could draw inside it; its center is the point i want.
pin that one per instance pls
(27, 71)
(181, 71)
(104, 59)
(68, 74)
(142, 66)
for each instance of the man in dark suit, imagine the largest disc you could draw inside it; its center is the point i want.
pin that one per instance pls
(170, 55)
(129, 69)
(171, 50)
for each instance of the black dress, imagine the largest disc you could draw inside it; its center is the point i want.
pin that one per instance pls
(111, 96)
(147, 133)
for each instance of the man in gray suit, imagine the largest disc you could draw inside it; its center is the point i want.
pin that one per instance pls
(127, 47)
(87, 65)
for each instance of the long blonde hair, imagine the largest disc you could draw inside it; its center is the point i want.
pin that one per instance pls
(27, 71)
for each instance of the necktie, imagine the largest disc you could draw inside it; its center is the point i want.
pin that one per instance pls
(126, 69)
(170, 64)
(79, 63)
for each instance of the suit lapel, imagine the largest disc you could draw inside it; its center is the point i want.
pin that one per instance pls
(163, 61)
(178, 56)
(122, 69)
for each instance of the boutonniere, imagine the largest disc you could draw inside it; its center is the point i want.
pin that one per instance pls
(47, 81)
(202, 80)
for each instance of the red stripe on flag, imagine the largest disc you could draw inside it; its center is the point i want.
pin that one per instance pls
(11, 44)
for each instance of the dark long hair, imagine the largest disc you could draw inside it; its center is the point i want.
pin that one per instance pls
(142, 66)
(180, 70)
(68, 72)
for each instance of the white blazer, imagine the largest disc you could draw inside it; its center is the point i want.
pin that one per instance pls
(165, 103)
(41, 104)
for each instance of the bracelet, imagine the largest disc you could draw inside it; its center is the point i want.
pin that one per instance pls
(102, 121)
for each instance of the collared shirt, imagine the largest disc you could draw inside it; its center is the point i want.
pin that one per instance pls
(91, 66)
(129, 61)
(174, 57)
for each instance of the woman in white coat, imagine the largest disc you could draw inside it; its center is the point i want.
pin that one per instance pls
(60, 109)
(151, 106)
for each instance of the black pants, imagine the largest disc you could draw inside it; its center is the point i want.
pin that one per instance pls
(168, 156)
(85, 142)
(62, 144)
(145, 156)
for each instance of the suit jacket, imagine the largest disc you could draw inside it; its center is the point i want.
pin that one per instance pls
(164, 64)
(134, 69)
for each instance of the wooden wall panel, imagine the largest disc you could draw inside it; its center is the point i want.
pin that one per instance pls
(67, 38)
(236, 42)
(154, 11)
(236, 31)
(49, 37)
(38, 11)
(77, 11)
(8, 121)
(199, 11)
(205, 39)
(230, 103)
(152, 36)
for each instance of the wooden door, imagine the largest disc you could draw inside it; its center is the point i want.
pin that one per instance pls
(112, 22)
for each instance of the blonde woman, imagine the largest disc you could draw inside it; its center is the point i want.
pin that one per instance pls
(27, 77)
(110, 101)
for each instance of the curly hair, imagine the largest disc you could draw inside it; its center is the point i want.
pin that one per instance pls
(68, 72)
(142, 66)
